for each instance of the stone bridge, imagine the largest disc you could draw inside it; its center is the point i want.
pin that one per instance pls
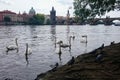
(106, 20)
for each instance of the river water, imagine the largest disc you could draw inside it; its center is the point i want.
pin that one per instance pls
(41, 39)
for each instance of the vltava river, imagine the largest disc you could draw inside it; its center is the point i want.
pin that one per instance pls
(41, 39)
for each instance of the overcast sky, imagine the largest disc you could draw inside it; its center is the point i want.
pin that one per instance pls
(43, 6)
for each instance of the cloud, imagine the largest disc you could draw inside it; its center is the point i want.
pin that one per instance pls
(5, 2)
(65, 2)
(41, 6)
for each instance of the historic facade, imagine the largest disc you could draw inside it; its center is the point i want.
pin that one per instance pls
(16, 18)
(6, 13)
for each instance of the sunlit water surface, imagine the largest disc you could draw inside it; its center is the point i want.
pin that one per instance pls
(41, 40)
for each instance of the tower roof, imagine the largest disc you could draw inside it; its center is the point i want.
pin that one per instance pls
(53, 9)
(32, 11)
(68, 13)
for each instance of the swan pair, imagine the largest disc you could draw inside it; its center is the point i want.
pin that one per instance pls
(15, 47)
(65, 45)
(62, 45)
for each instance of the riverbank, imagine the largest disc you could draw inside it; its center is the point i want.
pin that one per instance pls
(89, 66)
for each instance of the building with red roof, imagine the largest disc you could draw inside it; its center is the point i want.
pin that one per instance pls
(14, 17)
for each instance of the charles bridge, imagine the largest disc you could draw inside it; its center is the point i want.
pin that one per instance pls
(106, 21)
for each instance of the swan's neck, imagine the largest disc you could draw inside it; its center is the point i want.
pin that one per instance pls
(16, 42)
(86, 39)
(26, 49)
(55, 42)
(70, 41)
(59, 48)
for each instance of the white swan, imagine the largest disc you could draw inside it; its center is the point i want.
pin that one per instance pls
(73, 36)
(58, 51)
(66, 45)
(13, 47)
(84, 41)
(28, 50)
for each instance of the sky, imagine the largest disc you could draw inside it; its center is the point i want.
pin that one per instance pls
(44, 6)
(40, 6)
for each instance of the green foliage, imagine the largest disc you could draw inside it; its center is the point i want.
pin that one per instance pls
(37, 19)
(7, 19)
(118, 4)
(85, 9)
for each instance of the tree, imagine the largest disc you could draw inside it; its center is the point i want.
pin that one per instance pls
(86, 9)
(117, 4)
(37, 19)
(40, 18)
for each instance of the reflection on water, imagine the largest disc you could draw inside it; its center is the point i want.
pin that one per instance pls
(53, 32)
(27, 60)
(68, 31)
(42, 40)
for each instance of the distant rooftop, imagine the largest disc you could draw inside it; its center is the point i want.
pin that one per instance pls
(7, 11)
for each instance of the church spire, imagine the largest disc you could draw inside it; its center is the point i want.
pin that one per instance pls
(52, 8)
